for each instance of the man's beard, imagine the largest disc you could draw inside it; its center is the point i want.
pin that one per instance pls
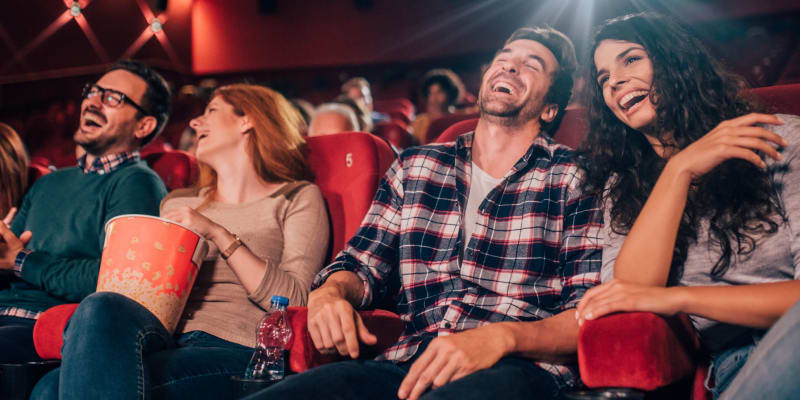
(511, 115)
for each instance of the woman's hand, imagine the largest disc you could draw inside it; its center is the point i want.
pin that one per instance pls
(734, 138)
(615, 296)
(194, 220)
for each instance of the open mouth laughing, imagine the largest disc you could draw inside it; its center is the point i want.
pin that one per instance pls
(630, 102)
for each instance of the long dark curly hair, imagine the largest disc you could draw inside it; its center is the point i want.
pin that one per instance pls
(691, 94)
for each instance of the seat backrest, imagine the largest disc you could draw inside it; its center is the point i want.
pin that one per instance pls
(397, 104)
(395, 133)
(178, 169)
(347, 167)
(573, 129)
(459, 128)
(439, 125)
(783, 99)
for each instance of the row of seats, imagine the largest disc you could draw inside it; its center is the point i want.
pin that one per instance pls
(641, 351)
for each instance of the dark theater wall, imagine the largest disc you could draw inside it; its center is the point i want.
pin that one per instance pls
(232, 36)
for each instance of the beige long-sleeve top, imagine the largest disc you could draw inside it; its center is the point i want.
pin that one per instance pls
(287, 229)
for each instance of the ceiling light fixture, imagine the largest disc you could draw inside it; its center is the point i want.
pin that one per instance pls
(156, 25)
(75, 9)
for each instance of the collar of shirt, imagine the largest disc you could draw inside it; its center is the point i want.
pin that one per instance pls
(542, 146)
(107, 164)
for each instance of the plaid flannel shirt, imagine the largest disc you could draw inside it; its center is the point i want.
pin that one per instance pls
(534, 252)
(107, 164)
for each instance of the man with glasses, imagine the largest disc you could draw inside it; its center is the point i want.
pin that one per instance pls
(50, 251)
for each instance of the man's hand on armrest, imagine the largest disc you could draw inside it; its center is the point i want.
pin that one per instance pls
(333, 323)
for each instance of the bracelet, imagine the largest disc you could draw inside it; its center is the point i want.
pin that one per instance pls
(232, 248)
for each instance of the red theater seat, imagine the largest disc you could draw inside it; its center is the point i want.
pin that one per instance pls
(459, 128)
(347, 168)
(395, 105)
(178, 169)
(395, 133)
(784, 99)
(439, 125)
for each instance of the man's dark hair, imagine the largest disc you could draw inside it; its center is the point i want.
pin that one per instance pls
(561, 87)
(157, 99)
(447, 80)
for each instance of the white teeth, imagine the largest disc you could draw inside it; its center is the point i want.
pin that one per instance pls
(503, 85)
(623, 102)
(93, 118)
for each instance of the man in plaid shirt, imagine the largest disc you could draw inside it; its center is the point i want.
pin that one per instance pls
(493, 244)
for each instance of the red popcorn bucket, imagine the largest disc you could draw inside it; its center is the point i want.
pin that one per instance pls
(153, 261)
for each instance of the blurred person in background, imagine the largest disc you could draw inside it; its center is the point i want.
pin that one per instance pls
(332, 118)
(440, 91)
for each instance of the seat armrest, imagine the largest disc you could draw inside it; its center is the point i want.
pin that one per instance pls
(636, 350)
(48, 332)
(385, 325)
(48, 335)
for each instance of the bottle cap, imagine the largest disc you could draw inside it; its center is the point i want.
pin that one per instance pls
(284, 301)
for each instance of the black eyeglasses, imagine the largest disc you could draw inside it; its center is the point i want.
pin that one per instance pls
(110, 97)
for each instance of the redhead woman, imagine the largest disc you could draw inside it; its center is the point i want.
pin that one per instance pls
(268, 230)
(702, 201)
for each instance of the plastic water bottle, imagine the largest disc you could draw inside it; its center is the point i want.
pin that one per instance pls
(272, 336)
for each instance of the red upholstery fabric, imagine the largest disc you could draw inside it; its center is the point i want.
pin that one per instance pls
(399, 104)
(636, 350)
(780, 98)
(177, 169)
(439, 125)
(573, 129)
(386, 325)
(347, 168)
(158, 145)
(459, 128)
(395, 133)
(47, 333)
(400, 118)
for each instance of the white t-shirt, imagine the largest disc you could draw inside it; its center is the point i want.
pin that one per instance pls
(480, 185)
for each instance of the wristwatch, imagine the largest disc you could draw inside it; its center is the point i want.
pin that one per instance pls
(232, 248)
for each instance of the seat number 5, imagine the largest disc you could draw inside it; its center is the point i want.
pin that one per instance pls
(348, 160)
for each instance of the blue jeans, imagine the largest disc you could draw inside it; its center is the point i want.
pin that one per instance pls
(510, 378)
(770, 370)
(115, 348)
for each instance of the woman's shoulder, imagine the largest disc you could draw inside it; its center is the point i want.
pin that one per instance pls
(790, 130)
(184, 196)
(299, 190)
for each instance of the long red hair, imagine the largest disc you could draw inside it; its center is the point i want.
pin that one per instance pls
(275, 145)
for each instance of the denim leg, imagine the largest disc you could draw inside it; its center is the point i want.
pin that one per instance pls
(511, 378)
(771, 370)
(47, 387)
(200, 367)
(105, 343)
(345, 380)
(16, 340)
